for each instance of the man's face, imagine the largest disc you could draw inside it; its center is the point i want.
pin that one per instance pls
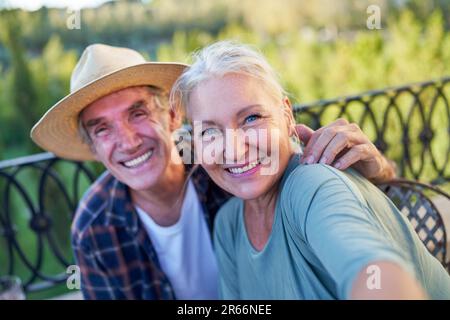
(131, 136)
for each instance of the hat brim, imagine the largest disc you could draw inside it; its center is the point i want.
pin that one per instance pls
(57, 130)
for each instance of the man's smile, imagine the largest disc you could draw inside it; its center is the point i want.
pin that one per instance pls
(138, 161)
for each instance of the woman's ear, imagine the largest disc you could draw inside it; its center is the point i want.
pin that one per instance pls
(287, 103)
(176, 119)
(287, 108)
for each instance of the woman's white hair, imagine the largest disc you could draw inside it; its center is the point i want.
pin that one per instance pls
(219, 59)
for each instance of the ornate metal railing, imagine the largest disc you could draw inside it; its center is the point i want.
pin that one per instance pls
(410, 124)
(415, 200)
(39, 194)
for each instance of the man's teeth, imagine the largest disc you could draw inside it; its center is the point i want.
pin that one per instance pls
(243, 169)
(139, 160)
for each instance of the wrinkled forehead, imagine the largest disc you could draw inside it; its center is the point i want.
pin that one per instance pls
(226, 96)
(119, 102)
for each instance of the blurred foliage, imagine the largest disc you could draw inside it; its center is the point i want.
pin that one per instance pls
(321, 49)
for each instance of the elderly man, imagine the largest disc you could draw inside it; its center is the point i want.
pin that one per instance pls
(143, 229)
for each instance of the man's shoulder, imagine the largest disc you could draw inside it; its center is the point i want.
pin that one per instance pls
(93, 205)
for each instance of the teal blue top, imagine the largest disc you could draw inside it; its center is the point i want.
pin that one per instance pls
(328, 226)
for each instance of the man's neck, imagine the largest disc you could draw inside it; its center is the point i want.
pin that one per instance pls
(164, 200)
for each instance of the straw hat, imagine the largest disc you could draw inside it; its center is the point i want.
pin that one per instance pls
(100, 71)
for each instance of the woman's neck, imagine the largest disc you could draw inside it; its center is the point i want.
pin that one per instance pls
(259, 213)
(263, 205)
(259, 216)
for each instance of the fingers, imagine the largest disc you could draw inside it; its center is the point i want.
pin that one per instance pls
(351, 157)
(343, 145)
(310, 146)
(311, 154)
(332, 141)
(342, 140)
(304, 132)
(321, 144)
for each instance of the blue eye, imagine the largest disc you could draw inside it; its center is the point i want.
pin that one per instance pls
(210, 132)
(252, 118)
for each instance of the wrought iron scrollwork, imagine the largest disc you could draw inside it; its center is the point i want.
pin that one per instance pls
(414, 200)
(410, 124)
(39, 194)
(39, 187)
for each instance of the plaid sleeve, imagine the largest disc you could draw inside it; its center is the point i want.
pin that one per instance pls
(95, 282)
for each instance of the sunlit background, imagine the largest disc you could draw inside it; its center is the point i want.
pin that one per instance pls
(321, 49)
(32, 5)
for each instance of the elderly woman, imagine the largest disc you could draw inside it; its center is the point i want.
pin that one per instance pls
(292, 231)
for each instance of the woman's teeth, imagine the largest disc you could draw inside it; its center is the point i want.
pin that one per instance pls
(243, 169)
(137, 161)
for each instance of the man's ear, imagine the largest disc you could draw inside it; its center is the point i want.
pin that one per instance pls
(94, 153)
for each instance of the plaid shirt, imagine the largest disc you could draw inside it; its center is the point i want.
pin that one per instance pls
(114, 252)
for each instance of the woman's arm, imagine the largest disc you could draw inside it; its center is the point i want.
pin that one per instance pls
(335, 215)
(385, 280)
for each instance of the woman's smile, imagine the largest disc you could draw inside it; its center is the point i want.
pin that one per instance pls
(244, 170)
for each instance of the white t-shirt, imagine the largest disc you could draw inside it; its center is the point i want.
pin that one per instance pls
(185, 250)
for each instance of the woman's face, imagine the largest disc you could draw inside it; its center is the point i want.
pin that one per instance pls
(241, 134)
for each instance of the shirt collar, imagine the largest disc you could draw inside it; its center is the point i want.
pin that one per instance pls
(120, 210)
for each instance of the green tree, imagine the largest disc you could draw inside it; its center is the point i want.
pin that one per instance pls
(24, 96)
